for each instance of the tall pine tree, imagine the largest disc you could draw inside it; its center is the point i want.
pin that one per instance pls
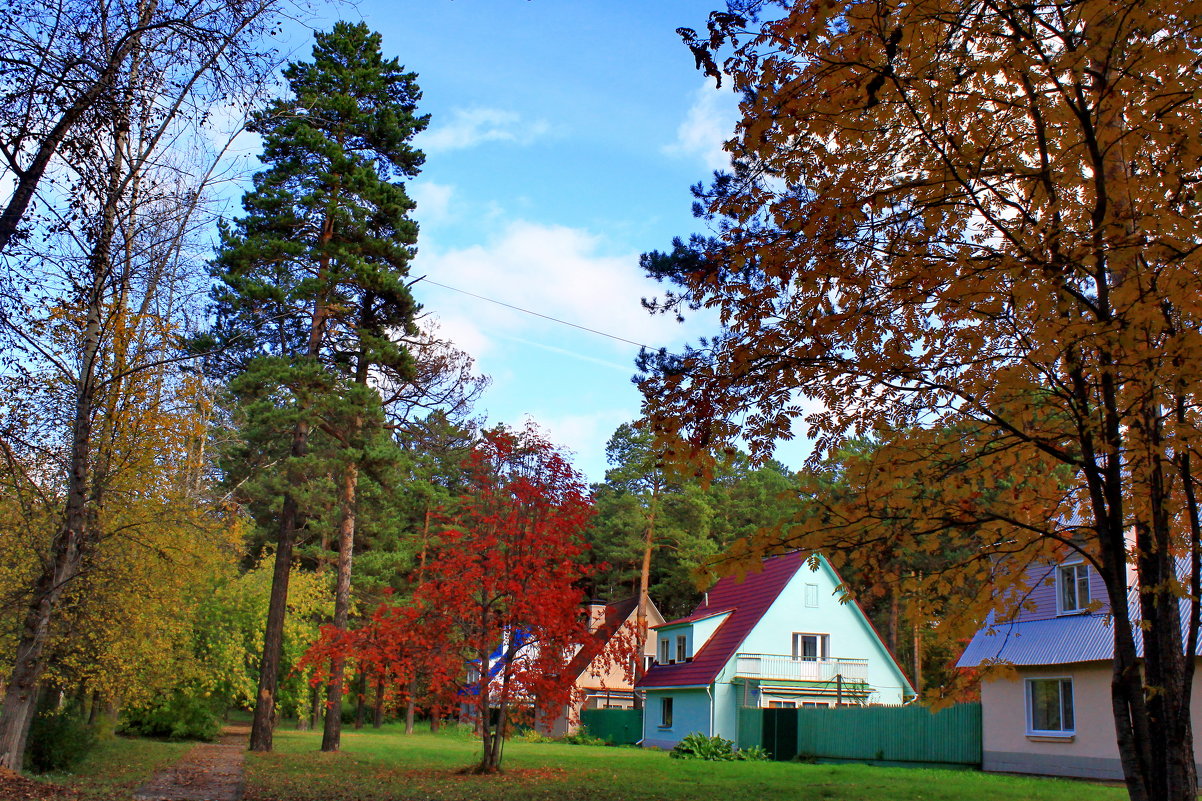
(313, 297)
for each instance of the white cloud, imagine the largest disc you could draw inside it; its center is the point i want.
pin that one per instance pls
(583, 436)
(709, 122)
(471, 127)
(550, 270)
(433, 200)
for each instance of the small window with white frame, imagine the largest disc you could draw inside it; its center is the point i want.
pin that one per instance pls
(665, 650)
(1050, 707)
(665, 713)
(1072, 588)
(811, 596)
(682, 647)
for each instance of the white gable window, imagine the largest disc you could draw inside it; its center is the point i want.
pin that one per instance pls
(1072, 588)
(682, 647)
(665, 650)
(811, 595)
(811, 647)
(1050, 707)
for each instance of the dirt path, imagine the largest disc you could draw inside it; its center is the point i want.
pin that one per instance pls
(208, 772)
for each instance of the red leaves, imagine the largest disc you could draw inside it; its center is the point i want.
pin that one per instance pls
(501, 584)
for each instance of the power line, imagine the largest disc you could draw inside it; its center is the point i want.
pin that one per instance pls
(537, 314)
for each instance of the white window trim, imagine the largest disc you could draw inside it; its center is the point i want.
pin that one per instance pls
(682, 647)
(824, 644)
(1034, 732)
(1059, 585)
(665, 651)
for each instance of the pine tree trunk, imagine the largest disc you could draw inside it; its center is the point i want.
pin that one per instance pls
(644, 593)
(410, 707)
(273, 636)
(377, 719)
(361, 700)
(331, 738)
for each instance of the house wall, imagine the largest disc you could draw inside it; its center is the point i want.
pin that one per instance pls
(1092, 751)
(690, 713)
(696, 635)
(851, 636)
(726, 710)
(1040, 601)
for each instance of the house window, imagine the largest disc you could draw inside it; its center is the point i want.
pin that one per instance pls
(1050, 706)
(811, 646)
(665, 650)
(811, 595)
(665, 713)
(782, 705)
(682, 647)
(814, 704)
(1072, 591)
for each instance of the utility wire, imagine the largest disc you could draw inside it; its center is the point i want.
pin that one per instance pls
(536, 314)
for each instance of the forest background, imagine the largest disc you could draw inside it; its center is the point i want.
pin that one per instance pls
(155, 460)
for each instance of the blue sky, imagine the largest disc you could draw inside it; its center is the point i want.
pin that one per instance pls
(564, 137)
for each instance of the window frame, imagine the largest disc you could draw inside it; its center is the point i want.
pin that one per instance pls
(1079, 581)
(810, 594)
(1062, 682)
(823, 646)
(682, 647)
(665, 712)
(665, 650)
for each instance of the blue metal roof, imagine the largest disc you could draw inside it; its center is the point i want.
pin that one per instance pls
(1055, 641)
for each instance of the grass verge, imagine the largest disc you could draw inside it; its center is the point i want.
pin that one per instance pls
(116, 767)
(375, 765)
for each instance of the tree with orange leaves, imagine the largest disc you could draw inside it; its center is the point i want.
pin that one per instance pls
(976, 224)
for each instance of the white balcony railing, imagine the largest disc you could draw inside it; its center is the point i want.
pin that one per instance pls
(799, 668)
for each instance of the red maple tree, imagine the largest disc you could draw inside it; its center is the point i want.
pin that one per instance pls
(495, 614)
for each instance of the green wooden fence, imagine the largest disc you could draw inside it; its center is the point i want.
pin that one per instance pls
(906, 734)
(618, 726)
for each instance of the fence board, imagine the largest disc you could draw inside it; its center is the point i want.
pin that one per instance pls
(618, 726)
(872, 734)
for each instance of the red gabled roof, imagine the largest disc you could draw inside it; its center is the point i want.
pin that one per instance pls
(746, 601)
(615, 615)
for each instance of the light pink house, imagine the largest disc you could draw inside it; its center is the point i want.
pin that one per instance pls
(1054, 717)
(604, 684)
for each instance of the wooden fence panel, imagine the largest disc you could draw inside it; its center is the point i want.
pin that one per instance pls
(906, 734)
(618, 726)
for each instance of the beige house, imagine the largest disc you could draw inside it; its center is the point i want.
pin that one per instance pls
(603, 683)
(1054, 717)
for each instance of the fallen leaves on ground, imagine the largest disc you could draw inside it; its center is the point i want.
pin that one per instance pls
(15, 787)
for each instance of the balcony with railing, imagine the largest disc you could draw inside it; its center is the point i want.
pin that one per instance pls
(781, 667)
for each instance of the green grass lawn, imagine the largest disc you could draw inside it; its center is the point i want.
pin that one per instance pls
(117, 766)
(387, 764)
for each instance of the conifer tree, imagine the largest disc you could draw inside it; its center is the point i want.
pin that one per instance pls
(313, 296)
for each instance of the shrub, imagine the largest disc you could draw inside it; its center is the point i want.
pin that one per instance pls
(58, 740)
(174, 717)
(697, 746)
(715, 749)
(530, 736)
(582, 737)
(754, 753)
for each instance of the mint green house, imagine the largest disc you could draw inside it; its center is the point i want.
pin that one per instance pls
(779, 638)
